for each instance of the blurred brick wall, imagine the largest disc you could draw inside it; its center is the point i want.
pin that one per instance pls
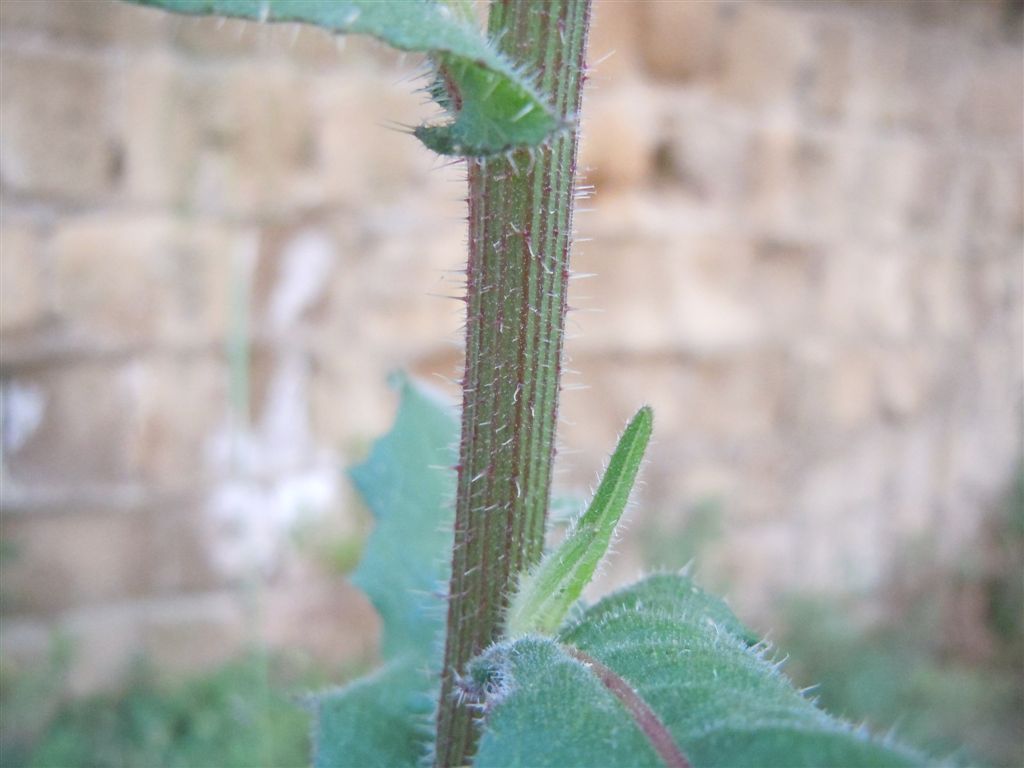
(807, 240)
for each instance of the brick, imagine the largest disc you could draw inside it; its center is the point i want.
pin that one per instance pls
(65, 561)
(106, 283)
(258, 146)
(799, 185)
(612, 389)
(737, 460)
(84, 554)
(681, 41)
(767, 49)
(992, 103)
(176, 547)
(704, 150)
(181, 402)
(891, 196)
(852, 391)
(996, 201)
(992, 284)
(787, 275)
(833, 391)
(618, 138)
(297, 267)
(350, 401)
(614, 44)
(945, 312)
(905, 380)
(827, 95)
(23, 300)
(272, 136)
(743, 399)
(705, 412)
(705, 480)
(982, 18)
(393, 292)
(928, 206)
(129, 279)
(907, 80)
(87, 23)
(353, 111)
(888, 309)
(75, 425)
(159, 118)
(662, 291)
(57, 139)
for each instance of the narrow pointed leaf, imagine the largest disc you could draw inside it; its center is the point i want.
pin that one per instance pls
(704, 685)
(494, 106)
(545, 595)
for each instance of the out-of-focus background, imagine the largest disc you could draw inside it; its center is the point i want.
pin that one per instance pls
(807, 245)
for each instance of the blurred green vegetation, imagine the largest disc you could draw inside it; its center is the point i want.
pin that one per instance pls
(944, 663)
(246, 714)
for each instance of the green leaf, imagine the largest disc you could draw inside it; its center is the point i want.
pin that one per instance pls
(546, 593)
(499, 111)
(407, 482)
(495, 107)
(379, 721)
(683, 656)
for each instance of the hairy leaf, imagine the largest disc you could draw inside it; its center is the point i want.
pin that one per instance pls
(384, 719)
(408, 483)
(495, 107)
(545, 595)
(665, 648)
(379, 721)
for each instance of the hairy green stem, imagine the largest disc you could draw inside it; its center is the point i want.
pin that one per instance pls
(520, 223)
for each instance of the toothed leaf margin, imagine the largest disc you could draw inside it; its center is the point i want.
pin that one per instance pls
(494, 107)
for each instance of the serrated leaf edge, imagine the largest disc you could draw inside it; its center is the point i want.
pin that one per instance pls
(440, 137)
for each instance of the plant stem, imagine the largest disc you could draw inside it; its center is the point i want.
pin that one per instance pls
(520, 223)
